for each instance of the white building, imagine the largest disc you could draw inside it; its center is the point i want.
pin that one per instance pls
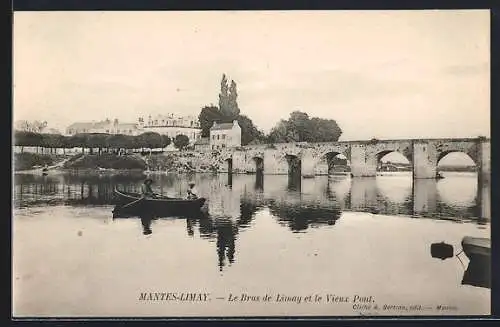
(225, 135)
(107, 126)
(172, 125)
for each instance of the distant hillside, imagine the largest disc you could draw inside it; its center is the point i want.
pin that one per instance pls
(457, 168)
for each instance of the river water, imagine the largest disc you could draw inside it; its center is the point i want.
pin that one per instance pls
(283, 237)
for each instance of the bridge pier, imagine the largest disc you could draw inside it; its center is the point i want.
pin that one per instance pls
(424, 161)
(363, 164)
(484, 164)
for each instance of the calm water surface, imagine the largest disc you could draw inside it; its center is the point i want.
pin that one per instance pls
(264, 234)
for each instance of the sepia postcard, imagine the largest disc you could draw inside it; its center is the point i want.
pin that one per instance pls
(251, 163)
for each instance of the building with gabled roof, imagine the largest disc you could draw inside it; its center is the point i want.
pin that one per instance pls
(225, 135)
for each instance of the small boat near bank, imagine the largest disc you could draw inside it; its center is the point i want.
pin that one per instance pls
(476, 246)
(478, 250)
(135, 204)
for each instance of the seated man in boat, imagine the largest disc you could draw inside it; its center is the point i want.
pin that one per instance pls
(146, 189)
(192, 194)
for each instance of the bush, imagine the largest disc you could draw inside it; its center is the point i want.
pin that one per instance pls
(23, 161)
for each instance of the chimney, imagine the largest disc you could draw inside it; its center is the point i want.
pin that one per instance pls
(215, 124)
(235, 122)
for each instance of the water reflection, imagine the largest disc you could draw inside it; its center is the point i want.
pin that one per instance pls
(226, 239)
(455, 196)
(296, 204)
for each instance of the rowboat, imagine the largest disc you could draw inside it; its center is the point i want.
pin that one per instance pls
(163, 206)
(478, 250)
(476, 246)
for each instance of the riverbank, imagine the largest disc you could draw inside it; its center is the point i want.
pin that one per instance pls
(30, 163)
(33, 162)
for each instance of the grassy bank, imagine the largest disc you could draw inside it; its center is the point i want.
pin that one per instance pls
(105, 160)
(25, 161)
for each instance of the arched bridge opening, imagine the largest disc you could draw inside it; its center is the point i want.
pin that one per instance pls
(337, 163)
(456, 162)
(391, 161)
(259, 164)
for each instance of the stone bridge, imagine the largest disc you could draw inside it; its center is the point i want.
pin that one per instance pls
(311, 159)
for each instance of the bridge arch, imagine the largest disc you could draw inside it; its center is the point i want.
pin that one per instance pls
(259, 164)
(330, 162)
(396, 160)
(229, 164)
(446, 154)
(457, 161)
(255, 163)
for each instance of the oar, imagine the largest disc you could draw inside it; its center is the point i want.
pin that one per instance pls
(129, 204)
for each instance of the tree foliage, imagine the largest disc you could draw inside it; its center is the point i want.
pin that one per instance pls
(249, 133)
(28, 126)
(228, 100)
(207, 116)
(300, 128)
(99, 141)
(181, 141)
(228, 111)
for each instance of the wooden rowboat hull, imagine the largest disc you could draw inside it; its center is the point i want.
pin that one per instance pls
(162, 207)
(476, 246)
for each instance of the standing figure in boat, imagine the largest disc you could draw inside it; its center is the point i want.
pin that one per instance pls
(192, 193)
(146, 189)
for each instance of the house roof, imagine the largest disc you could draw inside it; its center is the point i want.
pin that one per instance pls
(222, 126)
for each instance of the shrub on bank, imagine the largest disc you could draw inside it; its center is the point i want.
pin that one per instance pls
(24, 161)
(106, 160)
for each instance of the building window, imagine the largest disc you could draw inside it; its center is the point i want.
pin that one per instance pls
(107, 131)
(218, 136)
(213, 137)
(130, 131)
(223, 136)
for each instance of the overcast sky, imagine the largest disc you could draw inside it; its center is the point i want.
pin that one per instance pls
(384, 74)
